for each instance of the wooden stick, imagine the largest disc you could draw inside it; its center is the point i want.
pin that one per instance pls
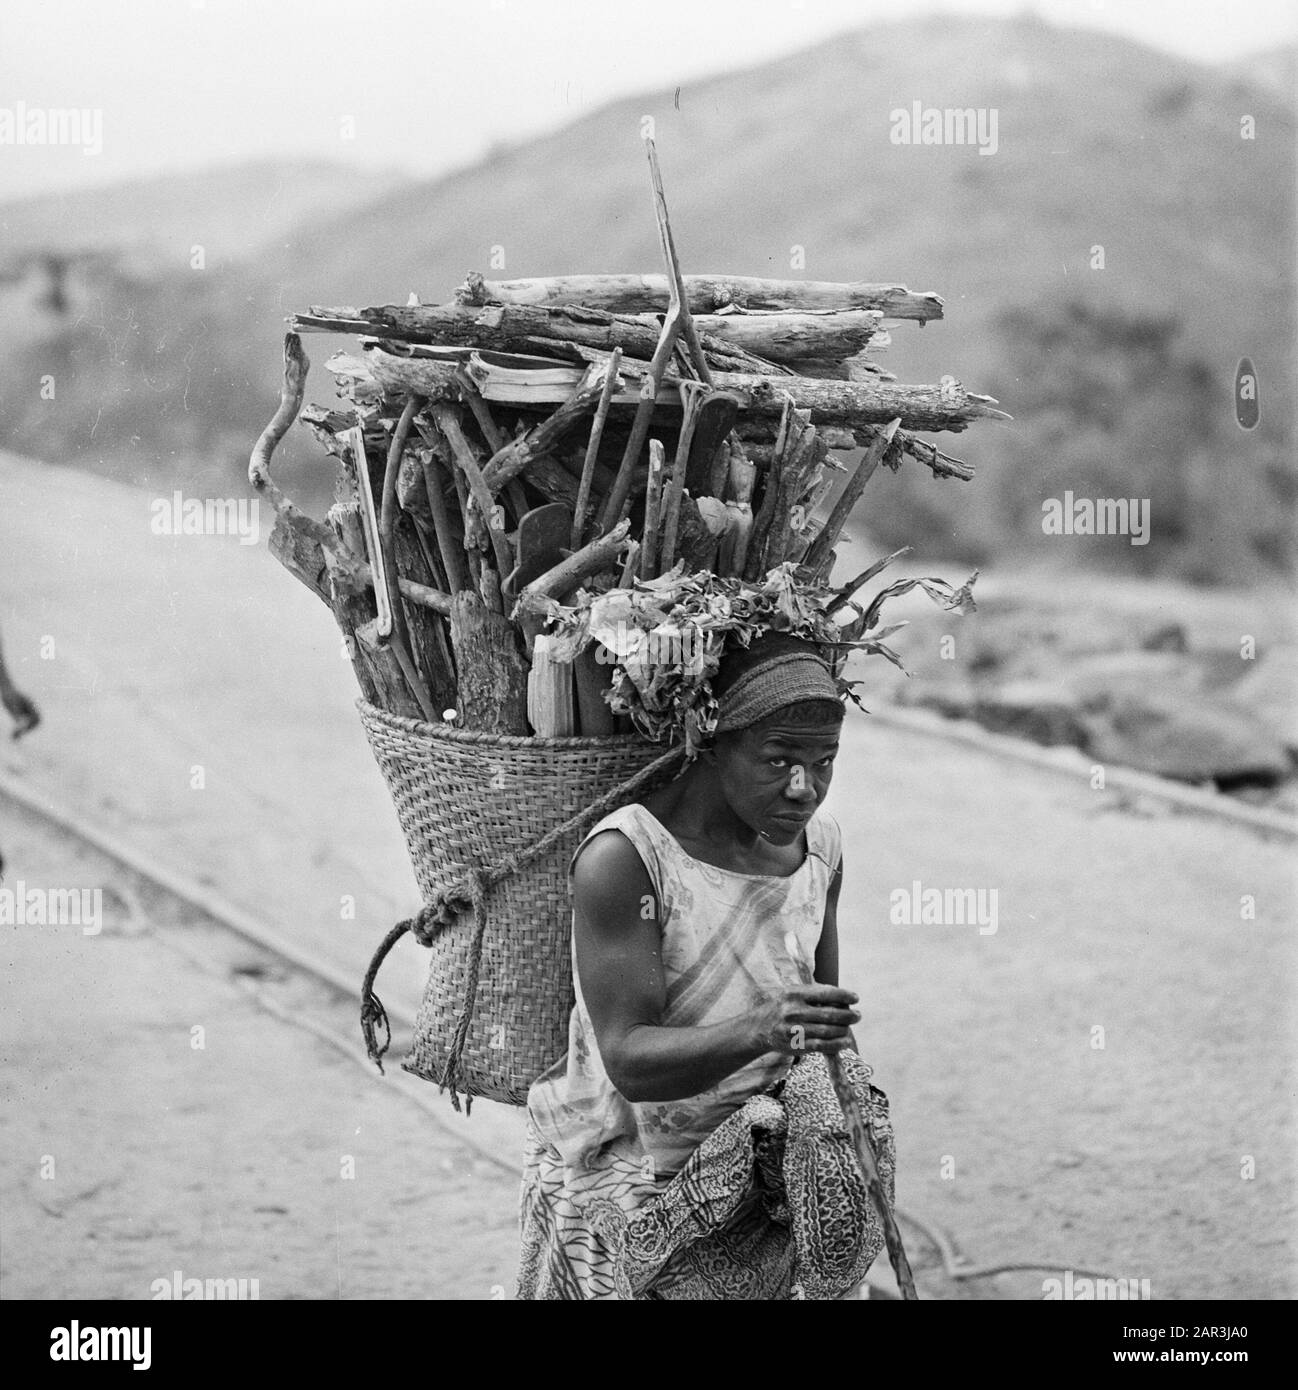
(296, 366)
(353, 600)
(418, 593)
(629, 565)
(610, 384)
(600, 554)
(677, 298)
(489, 588)
(617, 500)
(653, 504)
(819, 550)
(496, 440)
(691, 401)
(859, 1133)
(387, 569)
(630, 294)
(472, 530)
(457, 573)
(447, 419)
(426, 633)
(513, 457)
(495, 436)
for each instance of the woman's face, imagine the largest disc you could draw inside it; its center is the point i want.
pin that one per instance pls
(775, 775)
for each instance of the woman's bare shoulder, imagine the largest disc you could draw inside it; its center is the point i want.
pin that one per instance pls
(607, 858)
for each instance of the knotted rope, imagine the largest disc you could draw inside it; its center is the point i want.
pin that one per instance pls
(470, 893)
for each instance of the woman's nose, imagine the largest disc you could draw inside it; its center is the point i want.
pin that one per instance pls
(799, 787)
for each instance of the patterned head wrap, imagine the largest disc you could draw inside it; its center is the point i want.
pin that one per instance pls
(772, 671)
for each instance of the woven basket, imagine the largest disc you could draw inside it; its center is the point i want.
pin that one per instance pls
(468, 800)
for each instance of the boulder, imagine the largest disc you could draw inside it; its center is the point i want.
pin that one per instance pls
(954, 699)
(1269, 691)
(1043, 711)
(1192, 737)
(1099, 680)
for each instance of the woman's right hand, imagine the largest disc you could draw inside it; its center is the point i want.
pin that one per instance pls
(807, 1018)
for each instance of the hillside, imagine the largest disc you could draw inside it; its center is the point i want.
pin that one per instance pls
(1100, 143)
(235, 212)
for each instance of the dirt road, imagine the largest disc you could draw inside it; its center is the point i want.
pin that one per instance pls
(1104, 1081)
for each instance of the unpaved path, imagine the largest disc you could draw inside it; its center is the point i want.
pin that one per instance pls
(1018, 1132)
(155, 1119)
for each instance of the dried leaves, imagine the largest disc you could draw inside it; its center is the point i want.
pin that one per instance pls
(665, 637)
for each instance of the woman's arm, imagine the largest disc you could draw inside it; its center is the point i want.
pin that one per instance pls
(827, 949)
(619, 962)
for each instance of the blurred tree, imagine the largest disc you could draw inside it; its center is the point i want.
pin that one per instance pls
(1109, 406)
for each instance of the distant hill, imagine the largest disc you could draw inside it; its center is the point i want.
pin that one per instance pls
(233, 212)
(1101, 143)
(1273, 68)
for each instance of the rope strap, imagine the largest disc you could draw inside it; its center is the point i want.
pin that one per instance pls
(470, 893)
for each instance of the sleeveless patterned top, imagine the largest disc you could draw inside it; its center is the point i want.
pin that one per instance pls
(723, 952)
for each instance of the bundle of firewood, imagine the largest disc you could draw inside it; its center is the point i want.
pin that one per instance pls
(535, 438)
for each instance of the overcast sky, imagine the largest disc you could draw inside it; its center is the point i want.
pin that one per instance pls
(184, 83)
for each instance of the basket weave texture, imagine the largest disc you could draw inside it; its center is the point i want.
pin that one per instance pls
(466, 800)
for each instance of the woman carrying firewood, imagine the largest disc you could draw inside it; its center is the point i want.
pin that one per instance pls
(677, 1151)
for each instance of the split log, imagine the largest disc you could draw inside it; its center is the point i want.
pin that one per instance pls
(591, 680)
(512, 458)
(550, 693)
(703, 525)
(422, 376)
(631, 294)
(801, 340)
(517, 328)
(428, 633)
(795, 459)
(301, 553)
(853, 405)
(818, 557)
(378, 673)
(492, 688)
(732, 557)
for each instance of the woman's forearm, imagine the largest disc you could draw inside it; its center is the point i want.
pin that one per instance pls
(653, 1063)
